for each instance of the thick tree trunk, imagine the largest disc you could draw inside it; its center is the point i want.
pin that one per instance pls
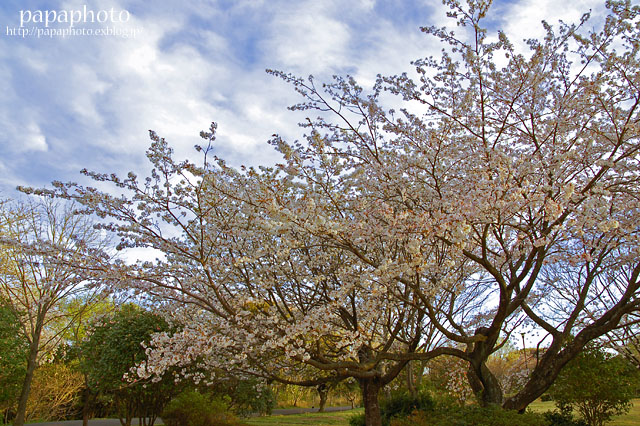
(323, 392)
(522, 399)
(484, 384)
(411, 387)
(370, 390)
(85, 404)
(542, 377)
(419, 373)
(32, 362)
(547, 369)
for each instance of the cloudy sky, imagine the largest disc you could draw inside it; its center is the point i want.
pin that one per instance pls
(70, 101)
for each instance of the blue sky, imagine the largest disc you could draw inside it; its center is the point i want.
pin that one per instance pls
(88, 101)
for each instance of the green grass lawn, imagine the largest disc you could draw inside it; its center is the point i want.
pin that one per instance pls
(341, 418)
(630, 419)
(316, 419)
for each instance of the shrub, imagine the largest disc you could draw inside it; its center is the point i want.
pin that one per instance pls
(54, 389)
(357, 420)
(471, 416)
(496, 416)
(402, 405)
(194, 409)
(398, 406)
(558, 418)
(597, 385)
(113, 347)
(13, 355)
(248, 397)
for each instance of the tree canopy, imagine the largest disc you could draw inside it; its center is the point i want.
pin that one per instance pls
(597, 385)
(116, 344)
(503, 193)
(13, 353)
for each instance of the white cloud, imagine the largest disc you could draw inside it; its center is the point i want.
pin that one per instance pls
(33, 139)
(307, 37)
(85, 97)
(20, 130)
(196, 63)
(523, 19)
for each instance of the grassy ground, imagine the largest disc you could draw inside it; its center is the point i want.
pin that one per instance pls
(340, 418)
(630, 419)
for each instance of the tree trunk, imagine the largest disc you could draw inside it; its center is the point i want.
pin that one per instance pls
(86, 402)
(410, 380)
(484, 385)
(370, 390)
(323, 391)
(85, 405)
(125, 408)
(520, 401)
(32, 362)
(419, 373)
(546, 371)
(295, 399)
(542, 377)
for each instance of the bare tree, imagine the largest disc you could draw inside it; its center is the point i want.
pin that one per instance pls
(42, 240)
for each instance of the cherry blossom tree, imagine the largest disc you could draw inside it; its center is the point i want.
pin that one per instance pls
(504, 194)
(259, 289)
(537, 160)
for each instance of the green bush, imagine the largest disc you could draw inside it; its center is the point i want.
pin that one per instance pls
(398, 406)
(247, 398)
(612, 383)
(471, 416)
(357, 420)
(194, 409)
(423, 410)
(558, 418)
(496, 416)
(112, 348)
(13, 355)
(402, 405)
